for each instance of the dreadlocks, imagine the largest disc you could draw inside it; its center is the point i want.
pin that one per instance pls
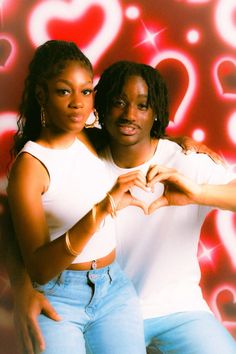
(111, 84)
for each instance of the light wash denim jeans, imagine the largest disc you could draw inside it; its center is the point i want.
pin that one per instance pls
(188, 333)
(99, 310)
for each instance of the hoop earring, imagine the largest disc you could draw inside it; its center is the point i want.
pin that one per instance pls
(95, 122)
(43, 117)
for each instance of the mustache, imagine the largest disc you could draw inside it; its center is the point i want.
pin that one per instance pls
(125, 121)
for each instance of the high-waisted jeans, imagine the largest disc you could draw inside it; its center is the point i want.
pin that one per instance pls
(99, 310)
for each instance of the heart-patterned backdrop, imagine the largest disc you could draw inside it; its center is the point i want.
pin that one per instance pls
(192, 43)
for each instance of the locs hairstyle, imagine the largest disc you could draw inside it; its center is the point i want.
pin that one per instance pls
(48, 61)
(111, 84)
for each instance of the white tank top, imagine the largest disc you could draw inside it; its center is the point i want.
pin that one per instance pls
(78, 180)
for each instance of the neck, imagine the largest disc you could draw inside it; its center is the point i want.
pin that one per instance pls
(55, 140)
(133, 155)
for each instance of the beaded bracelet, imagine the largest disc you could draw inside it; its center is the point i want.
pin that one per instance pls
(113, 205)
(69, 248)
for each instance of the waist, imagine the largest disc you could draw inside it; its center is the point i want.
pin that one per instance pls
(95, 263)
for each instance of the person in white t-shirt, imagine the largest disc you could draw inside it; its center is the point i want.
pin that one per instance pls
(159, 251)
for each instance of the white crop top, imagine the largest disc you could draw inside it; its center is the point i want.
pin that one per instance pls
(78, 180)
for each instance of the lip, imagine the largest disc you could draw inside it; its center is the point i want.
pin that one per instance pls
(77, 118)
(127, 129)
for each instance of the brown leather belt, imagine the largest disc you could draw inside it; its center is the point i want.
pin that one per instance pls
(94, 264)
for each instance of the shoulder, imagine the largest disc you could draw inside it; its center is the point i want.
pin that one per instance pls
(27, 171)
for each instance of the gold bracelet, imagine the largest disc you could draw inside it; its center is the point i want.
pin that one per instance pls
(112, 204)
(94, 217)
(69, 248)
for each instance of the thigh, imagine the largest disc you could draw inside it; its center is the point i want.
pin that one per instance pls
(188, 333)
(61, 337)
(118, 326)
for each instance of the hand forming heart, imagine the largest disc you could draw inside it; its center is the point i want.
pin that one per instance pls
(166, 187)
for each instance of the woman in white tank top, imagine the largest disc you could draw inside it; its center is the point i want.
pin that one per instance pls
(62, 205)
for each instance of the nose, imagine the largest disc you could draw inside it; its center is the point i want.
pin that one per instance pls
(130, 112)
(76, 101)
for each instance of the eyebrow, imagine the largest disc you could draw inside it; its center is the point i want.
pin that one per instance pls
(69, 82)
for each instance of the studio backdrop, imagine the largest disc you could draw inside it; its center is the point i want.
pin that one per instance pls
(192, 43)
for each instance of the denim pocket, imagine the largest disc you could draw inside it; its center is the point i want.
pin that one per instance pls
(50, 287)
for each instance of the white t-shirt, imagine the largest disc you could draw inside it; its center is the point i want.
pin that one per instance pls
(159, 252)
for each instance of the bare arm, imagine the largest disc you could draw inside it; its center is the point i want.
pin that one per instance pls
(181, 190)
(44, 259)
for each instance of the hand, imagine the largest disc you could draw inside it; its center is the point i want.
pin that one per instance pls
(178, 189)
(28, 305)
(190, 145)
(121, 190)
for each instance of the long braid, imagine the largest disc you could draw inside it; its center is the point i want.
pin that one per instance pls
(49, 60)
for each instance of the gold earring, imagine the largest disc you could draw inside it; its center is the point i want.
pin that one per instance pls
(43, 117)
(95, 122)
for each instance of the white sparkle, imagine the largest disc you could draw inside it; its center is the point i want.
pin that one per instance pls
(150, 36)
(198, 135)
(206, 254)
(132, 12)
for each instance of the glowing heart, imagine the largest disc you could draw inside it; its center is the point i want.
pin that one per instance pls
(225, 21)
(223, 304)
(227, 233)
(225, 77)
(8, 127)
(184, 105)
(74, 11)
(7, 51)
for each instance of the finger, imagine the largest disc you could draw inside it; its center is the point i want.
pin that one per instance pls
(37, 334)
(157, 204)
(24, 340)
(50, 312)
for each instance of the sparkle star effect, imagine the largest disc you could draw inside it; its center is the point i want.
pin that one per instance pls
(206, 254)
(150, 37)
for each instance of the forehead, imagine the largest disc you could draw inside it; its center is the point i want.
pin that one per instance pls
(136, 86)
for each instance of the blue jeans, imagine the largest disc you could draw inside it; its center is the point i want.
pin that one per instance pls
(99, 310)
(188, 333)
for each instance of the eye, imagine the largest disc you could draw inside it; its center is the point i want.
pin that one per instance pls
(63, 92)
(143, 106)
(118, 102)
(87, 92)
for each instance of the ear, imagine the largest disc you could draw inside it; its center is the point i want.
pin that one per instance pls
(40, 95)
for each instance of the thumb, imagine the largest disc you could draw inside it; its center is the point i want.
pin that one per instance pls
(158, 203)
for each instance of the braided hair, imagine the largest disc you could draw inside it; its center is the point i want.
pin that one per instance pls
(49, 60)
(112, 82)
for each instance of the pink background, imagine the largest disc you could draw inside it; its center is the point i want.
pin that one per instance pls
(192, 43)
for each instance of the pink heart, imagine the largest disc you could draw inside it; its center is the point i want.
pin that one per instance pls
(190, 85)
(5, 51)
(223, 304)
(69, 13)
(225, 77)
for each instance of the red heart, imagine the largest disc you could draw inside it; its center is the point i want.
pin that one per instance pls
(226, 304)
(5, 51)
(227, 76)
(80, 31)
(223, 304)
